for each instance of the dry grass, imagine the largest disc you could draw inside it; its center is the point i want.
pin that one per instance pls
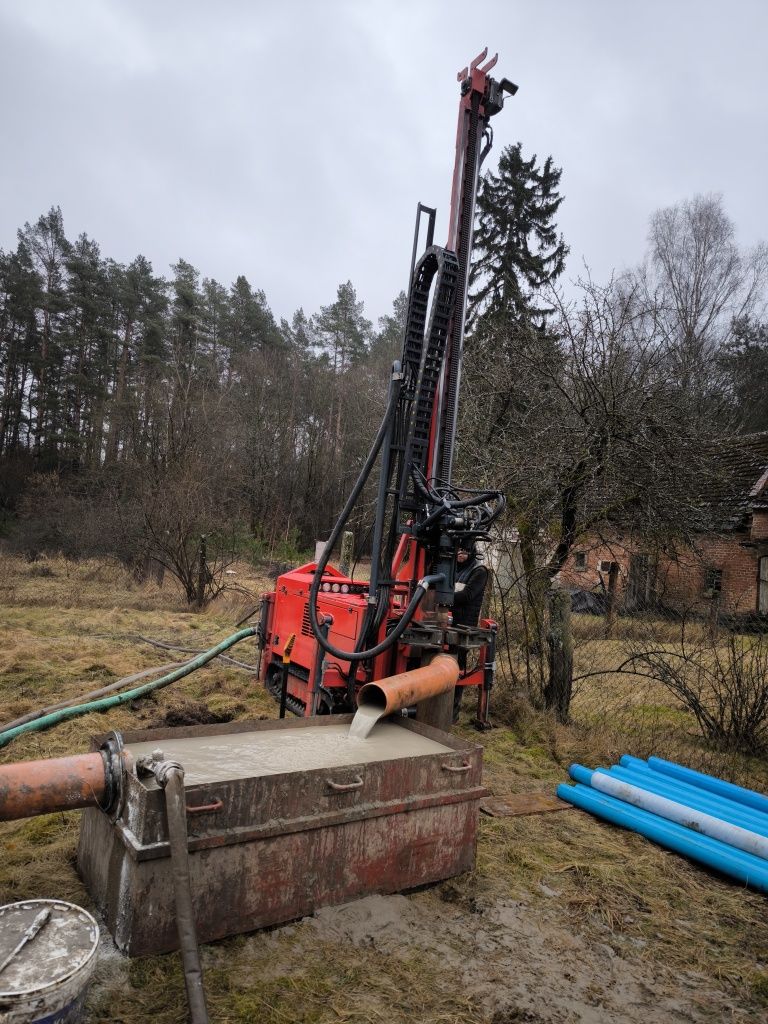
(67, 632)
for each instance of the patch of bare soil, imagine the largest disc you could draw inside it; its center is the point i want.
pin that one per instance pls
(191, 713)
(517, 963)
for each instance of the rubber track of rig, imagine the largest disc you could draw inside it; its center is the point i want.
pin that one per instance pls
(424, 347)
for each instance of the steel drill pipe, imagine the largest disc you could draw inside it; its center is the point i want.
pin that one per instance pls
(408, 688)
(29, 788)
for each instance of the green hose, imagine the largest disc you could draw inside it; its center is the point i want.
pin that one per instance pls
(121, 698)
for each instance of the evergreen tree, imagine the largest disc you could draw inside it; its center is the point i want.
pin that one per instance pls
(344, 329)
(388, 342)
(517, 247)
(20, 289)
(86, 370)
(251, 326)
(215, 310)
(744, 358)
(47, 246)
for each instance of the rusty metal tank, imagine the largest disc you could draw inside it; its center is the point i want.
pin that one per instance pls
(283, 817)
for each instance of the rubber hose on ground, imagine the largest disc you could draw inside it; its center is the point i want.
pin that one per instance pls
(128, 695)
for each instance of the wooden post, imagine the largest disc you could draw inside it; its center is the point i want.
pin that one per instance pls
(345, 558)
(202, 572)
(713, 618)
(557, 693)
(610, 605)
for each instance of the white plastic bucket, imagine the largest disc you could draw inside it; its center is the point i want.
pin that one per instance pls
(46, 981)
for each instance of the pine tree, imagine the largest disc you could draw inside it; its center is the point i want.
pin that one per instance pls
(344, 328)
(517, 247)
(47, 246)
(744, 358)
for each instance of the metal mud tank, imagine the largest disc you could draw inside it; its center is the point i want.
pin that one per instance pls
(283, 817)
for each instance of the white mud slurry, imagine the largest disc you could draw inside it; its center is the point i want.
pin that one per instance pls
(243, 755)
(365, 719)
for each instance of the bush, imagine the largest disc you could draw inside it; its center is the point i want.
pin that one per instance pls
(722, 682)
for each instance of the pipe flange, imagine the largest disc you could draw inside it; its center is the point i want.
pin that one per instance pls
(114, 774)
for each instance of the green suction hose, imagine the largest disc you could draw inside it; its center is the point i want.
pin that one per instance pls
(122, 698)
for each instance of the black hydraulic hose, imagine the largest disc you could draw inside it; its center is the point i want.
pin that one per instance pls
(365, 472)
(170, 777)
(421, 588)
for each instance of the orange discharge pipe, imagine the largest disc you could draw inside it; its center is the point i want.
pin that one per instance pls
(28, 788)
(408, 688)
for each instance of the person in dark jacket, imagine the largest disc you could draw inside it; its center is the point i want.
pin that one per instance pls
(471, 581)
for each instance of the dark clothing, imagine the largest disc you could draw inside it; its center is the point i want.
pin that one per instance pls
(466, 611)
(468, 602)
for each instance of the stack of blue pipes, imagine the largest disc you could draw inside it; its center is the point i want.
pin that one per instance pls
(712, 821)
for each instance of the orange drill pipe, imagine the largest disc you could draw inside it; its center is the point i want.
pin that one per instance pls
(408, 688)
(28, 788)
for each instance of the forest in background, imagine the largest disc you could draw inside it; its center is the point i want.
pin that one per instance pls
(140, 413)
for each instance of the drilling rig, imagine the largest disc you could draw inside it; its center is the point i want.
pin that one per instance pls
(348, 633)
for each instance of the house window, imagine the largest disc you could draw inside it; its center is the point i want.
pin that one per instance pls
(580, 561)
(605, 565)
(713, 582)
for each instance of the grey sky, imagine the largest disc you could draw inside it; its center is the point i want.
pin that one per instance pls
(290, 141)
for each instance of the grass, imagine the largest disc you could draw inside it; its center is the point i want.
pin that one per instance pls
(70, 630)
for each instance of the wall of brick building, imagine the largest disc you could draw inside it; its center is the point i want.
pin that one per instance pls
(680, 578)
(759, 526)
(683, 579)
(596, 550)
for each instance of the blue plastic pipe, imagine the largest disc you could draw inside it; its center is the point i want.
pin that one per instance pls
(627, 761)
(742, 866)
(727, 789)
(728, 810)
(674, 809)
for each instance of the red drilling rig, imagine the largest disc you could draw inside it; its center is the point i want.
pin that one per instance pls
(348, 632)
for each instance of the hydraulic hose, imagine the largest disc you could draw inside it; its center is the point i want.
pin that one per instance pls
(170, 778)
(421, 587)
(64, 714)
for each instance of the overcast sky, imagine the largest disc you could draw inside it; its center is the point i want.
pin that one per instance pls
(290, 140)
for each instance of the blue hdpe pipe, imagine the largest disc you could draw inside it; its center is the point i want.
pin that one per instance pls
(627, 761)
(710, 783)
(742, 866)
(701, 800)
(675, 810)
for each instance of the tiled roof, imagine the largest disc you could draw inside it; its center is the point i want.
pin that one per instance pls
(739, 482)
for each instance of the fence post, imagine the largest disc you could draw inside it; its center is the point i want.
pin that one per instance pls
(557, 693)
(610, 605)
(202, 572)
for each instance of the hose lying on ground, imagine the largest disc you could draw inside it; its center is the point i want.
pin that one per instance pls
(64, 714)
(101, 692)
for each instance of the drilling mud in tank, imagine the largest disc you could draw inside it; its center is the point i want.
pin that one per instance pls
(245, 755)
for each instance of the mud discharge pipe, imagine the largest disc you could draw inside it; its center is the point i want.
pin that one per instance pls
(29, 788)
(408, 688)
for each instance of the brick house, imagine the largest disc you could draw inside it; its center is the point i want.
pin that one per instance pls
(728, 564)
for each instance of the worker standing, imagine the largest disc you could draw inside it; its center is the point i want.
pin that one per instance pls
(471, 581)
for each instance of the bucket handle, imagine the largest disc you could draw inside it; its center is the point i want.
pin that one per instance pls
(457, 767)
